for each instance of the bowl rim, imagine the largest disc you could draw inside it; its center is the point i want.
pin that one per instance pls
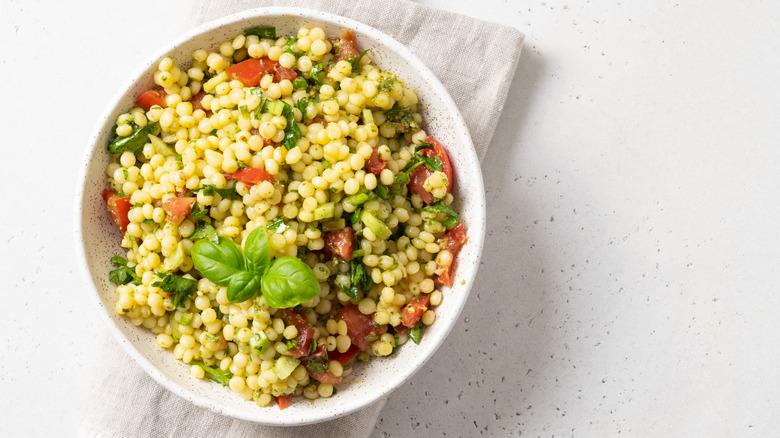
(476, 233)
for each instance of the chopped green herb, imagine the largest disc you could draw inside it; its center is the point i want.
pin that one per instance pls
(355, 60)
(277, 225)
(123, 274)
(215, 374)
(264, 32)
(134, 142)
(415, 334)
(181, 288)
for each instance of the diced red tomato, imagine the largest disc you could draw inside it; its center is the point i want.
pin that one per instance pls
(150, 98)
(401, 329)
(178, 208)
(195, 101)
(446, 166)
(284, 73)
(305, 332)
(118, 207)
(283, 401)
(347, 48)
(319, 120)
(324, 377)
(250, 72)
(375, 164)
(412, 312)
(360, 328)
(455, 239)
(251, 176)
(340, 243)
(346, 357)
(416, 183)
(421, 173)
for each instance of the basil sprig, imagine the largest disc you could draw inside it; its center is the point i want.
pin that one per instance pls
(285, 282)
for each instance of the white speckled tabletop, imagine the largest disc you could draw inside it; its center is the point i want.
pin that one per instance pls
(628, 281)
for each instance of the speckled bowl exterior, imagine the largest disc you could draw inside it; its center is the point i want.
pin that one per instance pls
(97, 237)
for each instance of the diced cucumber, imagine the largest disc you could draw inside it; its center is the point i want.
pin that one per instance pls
(325, 211)
(277, 108)
(212, 83)
(186, 318)
(285, 365)
(175, 260)
(175, 333)
(160, 147)
(259, 343)
(368, 117)
(333, 225)
(361, 197)
(380, 230)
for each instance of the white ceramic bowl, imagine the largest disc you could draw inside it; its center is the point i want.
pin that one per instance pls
(97, 237)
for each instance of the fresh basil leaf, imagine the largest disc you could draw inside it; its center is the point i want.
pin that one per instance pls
(288, 283)
(257, 252)
(291, 343)
(204, 230)
(216, 374)
(242, 286)
(218, 261)
(181, 288)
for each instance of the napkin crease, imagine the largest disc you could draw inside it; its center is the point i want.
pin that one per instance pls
(475, 61)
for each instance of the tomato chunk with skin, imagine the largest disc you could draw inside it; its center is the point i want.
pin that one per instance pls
(150, 98)
(196, 101)
(305, 332)
(250, 72)
(284, 73)
(340, 243)
(251, 176)
(446, 166)
(412, 312)
(360, 328)
(118, 208)
(416, 183)
(375, 164)
(347, 49)
(283, 401)
(455, 239)
(346, 357)
(178, 208)
(323, 377)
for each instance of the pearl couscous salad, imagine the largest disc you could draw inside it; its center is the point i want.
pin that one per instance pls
(285, 216)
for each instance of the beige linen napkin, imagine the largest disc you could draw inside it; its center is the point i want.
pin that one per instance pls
(475, 61)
